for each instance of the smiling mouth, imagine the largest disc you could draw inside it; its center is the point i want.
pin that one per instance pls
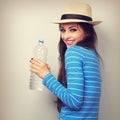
(69, 42)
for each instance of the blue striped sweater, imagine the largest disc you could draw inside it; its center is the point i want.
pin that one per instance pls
(81, 98)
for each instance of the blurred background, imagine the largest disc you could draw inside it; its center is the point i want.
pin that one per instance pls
(22, 24)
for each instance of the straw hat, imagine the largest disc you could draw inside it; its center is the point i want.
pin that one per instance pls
(77, 12)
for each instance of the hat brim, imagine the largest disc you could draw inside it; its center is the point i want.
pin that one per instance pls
(76, 20)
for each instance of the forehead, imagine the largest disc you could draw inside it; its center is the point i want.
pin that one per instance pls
(69, 25)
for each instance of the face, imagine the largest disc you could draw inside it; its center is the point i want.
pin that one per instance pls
(71, 33)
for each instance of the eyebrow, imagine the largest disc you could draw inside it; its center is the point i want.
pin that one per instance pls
(69, 27)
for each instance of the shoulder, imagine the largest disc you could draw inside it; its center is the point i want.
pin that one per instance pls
(74, 48)
(79, 50)
(74, 53)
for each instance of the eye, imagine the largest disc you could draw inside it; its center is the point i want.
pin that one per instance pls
(62, 30)
(73, 30)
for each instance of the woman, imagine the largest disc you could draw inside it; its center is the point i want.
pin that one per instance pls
(78, 87)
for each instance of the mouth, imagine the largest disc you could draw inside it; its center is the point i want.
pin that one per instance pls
(69, 42)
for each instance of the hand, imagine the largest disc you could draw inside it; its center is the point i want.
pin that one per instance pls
(39, 67)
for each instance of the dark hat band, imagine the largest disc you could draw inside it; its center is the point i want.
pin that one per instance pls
(75, 16)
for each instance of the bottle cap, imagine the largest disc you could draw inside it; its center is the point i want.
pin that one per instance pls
(41, 41)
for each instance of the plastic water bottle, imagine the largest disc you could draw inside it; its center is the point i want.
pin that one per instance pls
(39, 52)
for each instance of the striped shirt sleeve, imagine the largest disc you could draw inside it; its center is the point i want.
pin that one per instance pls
(72, 96)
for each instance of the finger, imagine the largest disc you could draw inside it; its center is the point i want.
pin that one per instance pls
(34, 71)
(33, 61)
(37, 66)
(34, 67)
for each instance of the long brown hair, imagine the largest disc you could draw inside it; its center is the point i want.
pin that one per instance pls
(88, 42)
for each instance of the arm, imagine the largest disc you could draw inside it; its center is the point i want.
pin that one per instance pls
(72, 96)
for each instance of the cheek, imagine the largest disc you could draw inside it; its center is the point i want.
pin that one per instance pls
(61, 36)
(81, 37)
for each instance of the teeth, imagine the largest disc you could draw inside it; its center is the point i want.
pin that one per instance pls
(69, 41)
